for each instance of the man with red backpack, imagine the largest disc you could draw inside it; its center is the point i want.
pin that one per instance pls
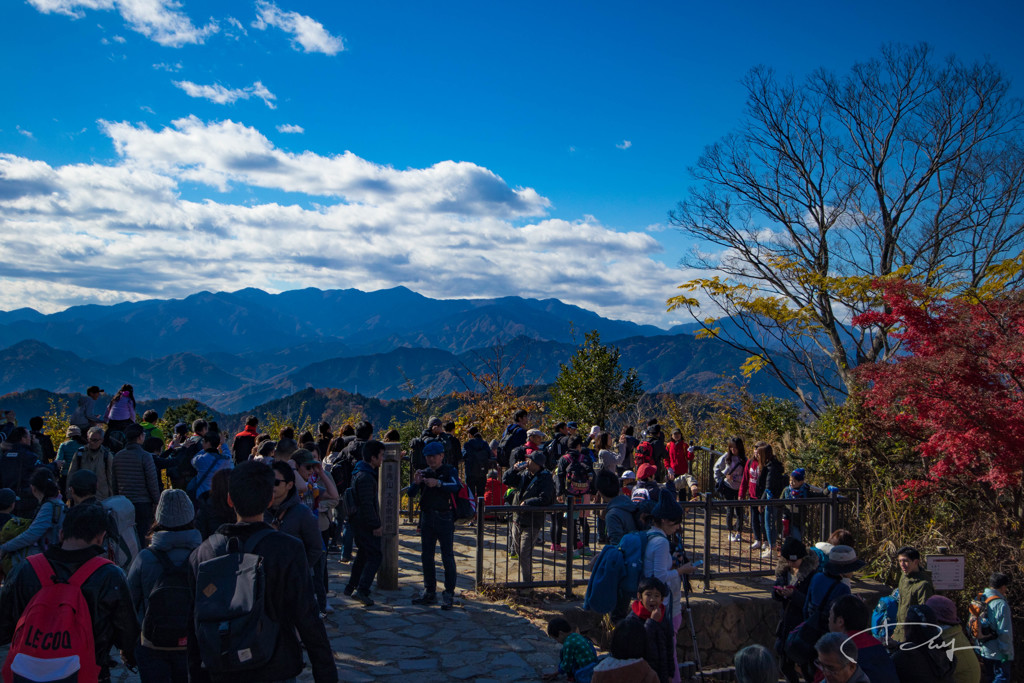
(574, 477)
(44, 636)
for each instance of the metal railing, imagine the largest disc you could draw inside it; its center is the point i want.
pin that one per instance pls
(705, 534)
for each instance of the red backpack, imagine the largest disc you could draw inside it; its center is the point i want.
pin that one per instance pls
(53, 640)
(644, 454)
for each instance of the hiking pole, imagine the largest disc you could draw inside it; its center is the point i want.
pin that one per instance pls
(693, 631)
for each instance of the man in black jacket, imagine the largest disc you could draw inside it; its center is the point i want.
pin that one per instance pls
(366, 523)
(479, 459)
(534, 488)
(289, 591)
(17, 463)
(437, 483)
(105, 592)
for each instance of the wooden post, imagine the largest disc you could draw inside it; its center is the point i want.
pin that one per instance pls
(388, 490)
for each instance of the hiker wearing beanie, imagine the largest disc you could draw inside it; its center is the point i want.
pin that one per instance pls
(174, 539)
(660, 563)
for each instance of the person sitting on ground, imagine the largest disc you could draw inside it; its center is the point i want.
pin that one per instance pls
(577, 651)
(915, 587)
(927, 662)
(755, 664)
(849, 615)
(648, 610)
(837, 659)
(626, 663)
(968, 669)
(105, 591)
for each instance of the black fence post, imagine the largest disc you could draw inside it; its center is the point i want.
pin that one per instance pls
(570, 551)
(479, 544)
(833, 513)
(708, 501)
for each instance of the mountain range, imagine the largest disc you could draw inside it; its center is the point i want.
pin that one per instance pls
(235, 350)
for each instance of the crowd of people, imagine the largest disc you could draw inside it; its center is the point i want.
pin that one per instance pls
(156, 530)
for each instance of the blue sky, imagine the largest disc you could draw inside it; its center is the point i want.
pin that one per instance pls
(153, 149)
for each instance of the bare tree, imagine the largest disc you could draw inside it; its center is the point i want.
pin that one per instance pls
(906, 165)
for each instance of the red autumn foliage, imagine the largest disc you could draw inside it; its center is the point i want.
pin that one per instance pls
(958, 388)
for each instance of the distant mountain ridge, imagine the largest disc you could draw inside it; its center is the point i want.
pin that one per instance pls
(237, 350)
(357, 323)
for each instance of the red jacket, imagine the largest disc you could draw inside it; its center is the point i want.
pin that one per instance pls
(748, 485)
(679, 457)
(494, 492)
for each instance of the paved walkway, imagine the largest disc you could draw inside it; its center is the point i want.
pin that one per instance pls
(394, 640)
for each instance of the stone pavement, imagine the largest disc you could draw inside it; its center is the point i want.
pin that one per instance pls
(394, 640)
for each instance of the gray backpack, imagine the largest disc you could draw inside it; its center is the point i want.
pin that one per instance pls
(233, 629)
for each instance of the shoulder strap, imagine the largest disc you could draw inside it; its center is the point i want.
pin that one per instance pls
(43, 569)
(207, 472)
(86, 570)
(164, 559)
(254, 540)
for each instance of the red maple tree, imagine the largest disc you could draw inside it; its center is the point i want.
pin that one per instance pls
(957, 390)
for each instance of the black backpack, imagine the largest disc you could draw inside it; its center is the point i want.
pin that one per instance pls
(478, 457)
(165, 624)
(183, 470)
(504, 451)
(553, 451)
(233, 629)
(579, 478)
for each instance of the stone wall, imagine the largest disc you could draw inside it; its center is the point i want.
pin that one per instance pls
(733, 615)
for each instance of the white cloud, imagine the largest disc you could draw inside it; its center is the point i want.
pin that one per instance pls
(237, 26)
(119, 39)
(168, 67)
(123, 230)
(290, 128)
(625, 144)
(219, 94)
(158, 20)
(306, 31)
(26, 133)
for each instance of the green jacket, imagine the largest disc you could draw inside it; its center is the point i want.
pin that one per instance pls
(914, 590)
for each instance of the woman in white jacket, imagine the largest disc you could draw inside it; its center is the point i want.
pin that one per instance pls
(659, 562)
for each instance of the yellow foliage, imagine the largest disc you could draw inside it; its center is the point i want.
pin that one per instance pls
(752, 365)
(56, 419)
